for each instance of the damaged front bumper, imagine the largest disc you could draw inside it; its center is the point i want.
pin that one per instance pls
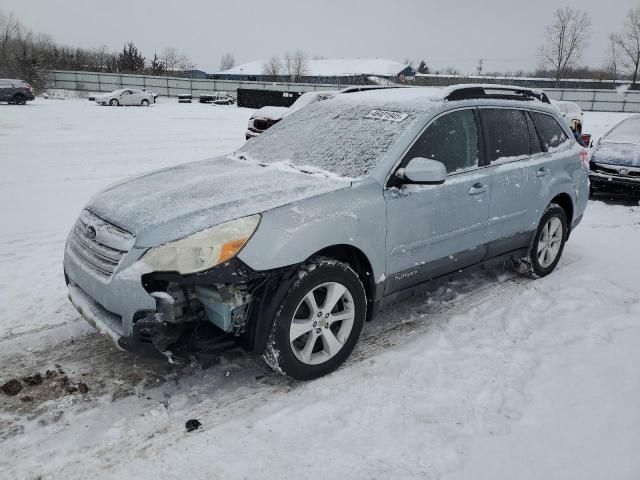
(153, 312)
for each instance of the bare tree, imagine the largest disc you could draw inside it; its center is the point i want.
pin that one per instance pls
(295, 65)
(612, 65)
(8, 27)
(227, 61)
(629, 43)
(567, 37)
(175, 61)
(272, 67)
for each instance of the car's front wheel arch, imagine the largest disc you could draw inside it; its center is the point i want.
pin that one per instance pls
(318, 322)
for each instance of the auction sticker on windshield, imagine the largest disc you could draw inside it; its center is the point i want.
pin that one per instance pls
(386, 115)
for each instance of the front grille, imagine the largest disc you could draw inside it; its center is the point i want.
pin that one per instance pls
(615, 171)
(92, 250)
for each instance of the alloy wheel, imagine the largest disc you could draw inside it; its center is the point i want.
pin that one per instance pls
(322, 323)
(550, 242)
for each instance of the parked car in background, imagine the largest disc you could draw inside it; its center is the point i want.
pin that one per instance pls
(572, 114)
(126, 96)
(17, 92)
(266, 117)
(615, 161)
(217, 98)
(185, 98)
(294, 241)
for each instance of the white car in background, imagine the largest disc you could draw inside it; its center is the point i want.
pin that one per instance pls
(265, 117)
(572, 114)
(126, 96)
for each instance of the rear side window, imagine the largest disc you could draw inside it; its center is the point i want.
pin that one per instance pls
(507, 133)
(451, 139)
(551, 133)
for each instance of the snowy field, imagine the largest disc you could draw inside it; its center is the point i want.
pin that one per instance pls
(494, 377)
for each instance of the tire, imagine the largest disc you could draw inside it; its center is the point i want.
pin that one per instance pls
(300, 345)
(144, 103)
(114, 103)
(19, 100)
(548, 244)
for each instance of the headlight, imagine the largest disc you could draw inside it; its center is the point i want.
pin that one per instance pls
(203, 250)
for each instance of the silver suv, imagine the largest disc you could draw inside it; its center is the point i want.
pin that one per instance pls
(291, 243)
(17, 92)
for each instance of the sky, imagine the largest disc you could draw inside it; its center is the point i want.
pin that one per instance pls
(506, 34)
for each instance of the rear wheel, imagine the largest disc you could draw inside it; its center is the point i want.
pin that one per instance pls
(19, 99)
(548, 244)
(319, 321)
(144, 103)
(114, 102)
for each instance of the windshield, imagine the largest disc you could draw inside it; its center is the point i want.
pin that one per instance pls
(626, 132)
(341, 137)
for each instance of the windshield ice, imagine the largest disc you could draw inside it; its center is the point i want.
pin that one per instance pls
(627, 131)
(341, 137)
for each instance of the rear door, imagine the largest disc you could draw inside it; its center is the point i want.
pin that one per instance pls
(512, 150)
(126, 97)
(136, 97)
(435, 229)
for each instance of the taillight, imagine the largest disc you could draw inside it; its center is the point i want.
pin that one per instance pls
(30, 87)
(584, 157)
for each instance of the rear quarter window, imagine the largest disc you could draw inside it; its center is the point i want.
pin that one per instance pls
(550, 131)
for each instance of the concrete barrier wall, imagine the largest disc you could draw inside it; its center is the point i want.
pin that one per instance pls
(166, 86)
(589, 100)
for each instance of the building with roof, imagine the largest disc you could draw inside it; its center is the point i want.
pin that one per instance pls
(339, 71)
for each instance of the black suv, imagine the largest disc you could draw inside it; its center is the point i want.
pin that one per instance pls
(15, 91)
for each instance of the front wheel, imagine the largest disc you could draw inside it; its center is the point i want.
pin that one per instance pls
(548, 244)
(319, 321)
(145, 103)
(114, 102)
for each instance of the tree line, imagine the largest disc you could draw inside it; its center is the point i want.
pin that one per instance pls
(28, 55)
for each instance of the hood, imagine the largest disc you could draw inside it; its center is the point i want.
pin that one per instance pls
(272, 113)
(617, 153)
(175, 202)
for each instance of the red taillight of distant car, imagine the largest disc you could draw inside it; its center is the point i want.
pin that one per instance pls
(584, 157)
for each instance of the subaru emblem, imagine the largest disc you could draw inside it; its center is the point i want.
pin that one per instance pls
(91, 232)
(623, 171)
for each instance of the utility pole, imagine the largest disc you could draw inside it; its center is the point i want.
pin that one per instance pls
(479, 67)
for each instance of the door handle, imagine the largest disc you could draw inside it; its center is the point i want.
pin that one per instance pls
(477, 189)
(543, 172)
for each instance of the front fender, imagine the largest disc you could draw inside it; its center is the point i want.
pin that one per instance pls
(291, 234)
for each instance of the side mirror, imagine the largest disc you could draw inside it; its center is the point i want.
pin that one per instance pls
(423, 171)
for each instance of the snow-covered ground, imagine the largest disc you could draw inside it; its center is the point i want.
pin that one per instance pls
(491, 377)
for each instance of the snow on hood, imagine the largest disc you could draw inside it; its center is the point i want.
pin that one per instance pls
(172, 203)
(272, 113)
(613, 153)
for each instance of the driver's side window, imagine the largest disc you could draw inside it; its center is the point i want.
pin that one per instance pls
(451, 139)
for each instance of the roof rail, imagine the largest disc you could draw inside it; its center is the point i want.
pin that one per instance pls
(503, 92)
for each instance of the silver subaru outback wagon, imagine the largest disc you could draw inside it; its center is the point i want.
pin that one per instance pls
(291, 243)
